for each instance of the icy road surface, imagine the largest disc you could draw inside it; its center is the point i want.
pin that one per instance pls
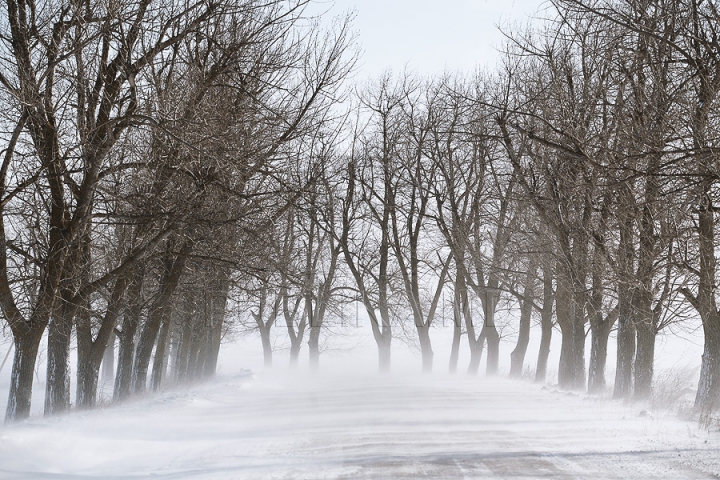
(362, 426)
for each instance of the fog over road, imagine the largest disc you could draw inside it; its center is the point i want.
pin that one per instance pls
(361, 426)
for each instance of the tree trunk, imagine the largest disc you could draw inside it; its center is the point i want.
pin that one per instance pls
(476, 343)
(626, 326)
(296, 338)
(87, 370)
(23, 370)
(160, 310)
(219, 303)
(267, 347)
(144, 350)
(625, 347)
(383, 337)
(425, 348)
(57, 387)
(563, 310)
(578, 378)
(489, 301)
(87, 375)
(706, 305)
(198, 371)
(600, 332)
(571, 372)
(295, 353)
(708, 393)
(384, 355)
(182, 361)
(517, 357)
(90, 352)
(571, 318)
(566, 351)
(644, 360)
(108, 361)
(314, 347)
(457, 330)
(160, 359)
(126, 346)
(546, 325)
(455, 349)
(493, 349)
(476, 351)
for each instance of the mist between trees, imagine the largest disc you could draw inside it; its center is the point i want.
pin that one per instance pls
(175, 170)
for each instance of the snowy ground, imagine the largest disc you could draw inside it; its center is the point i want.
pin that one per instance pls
(351, 423)
(361, 426)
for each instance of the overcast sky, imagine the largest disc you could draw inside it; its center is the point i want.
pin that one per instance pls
(428, 35)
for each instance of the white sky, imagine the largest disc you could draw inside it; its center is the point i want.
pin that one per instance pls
(429, 36)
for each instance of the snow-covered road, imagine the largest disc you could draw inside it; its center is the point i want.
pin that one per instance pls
(361, 426)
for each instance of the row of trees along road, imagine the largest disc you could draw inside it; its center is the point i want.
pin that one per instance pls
(144, 157)
(166, 163)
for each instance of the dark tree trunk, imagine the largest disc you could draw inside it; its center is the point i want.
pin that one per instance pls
(91, 352)
(566, 352)
(144, 349)
(195, 351)
(219, 303)
(475, 342)
(265, 319)
(202, 351)
(493, 349)
(600, 324)
(546, 325)
(625, 347)
(161, 350)
(213, 351)
(457, 330)
(578, 371)
(517, 357)
(599, 332)
(267, 347)
(296, 337)
(126, 346)
(295, 353)
(644, 360)
(383, 338)
(317, 318)
(706, 400)
(476, 351)
(87, 370)
(708, 393)
(569, 303)
(571, 372)
(182, 360)
(180, 351)
(314, 347)
(159, 312)
(626, 326)
(426, 350)
(21, 377)
(489, 299)
(455, 348)
(57, 387)
(564, 313)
